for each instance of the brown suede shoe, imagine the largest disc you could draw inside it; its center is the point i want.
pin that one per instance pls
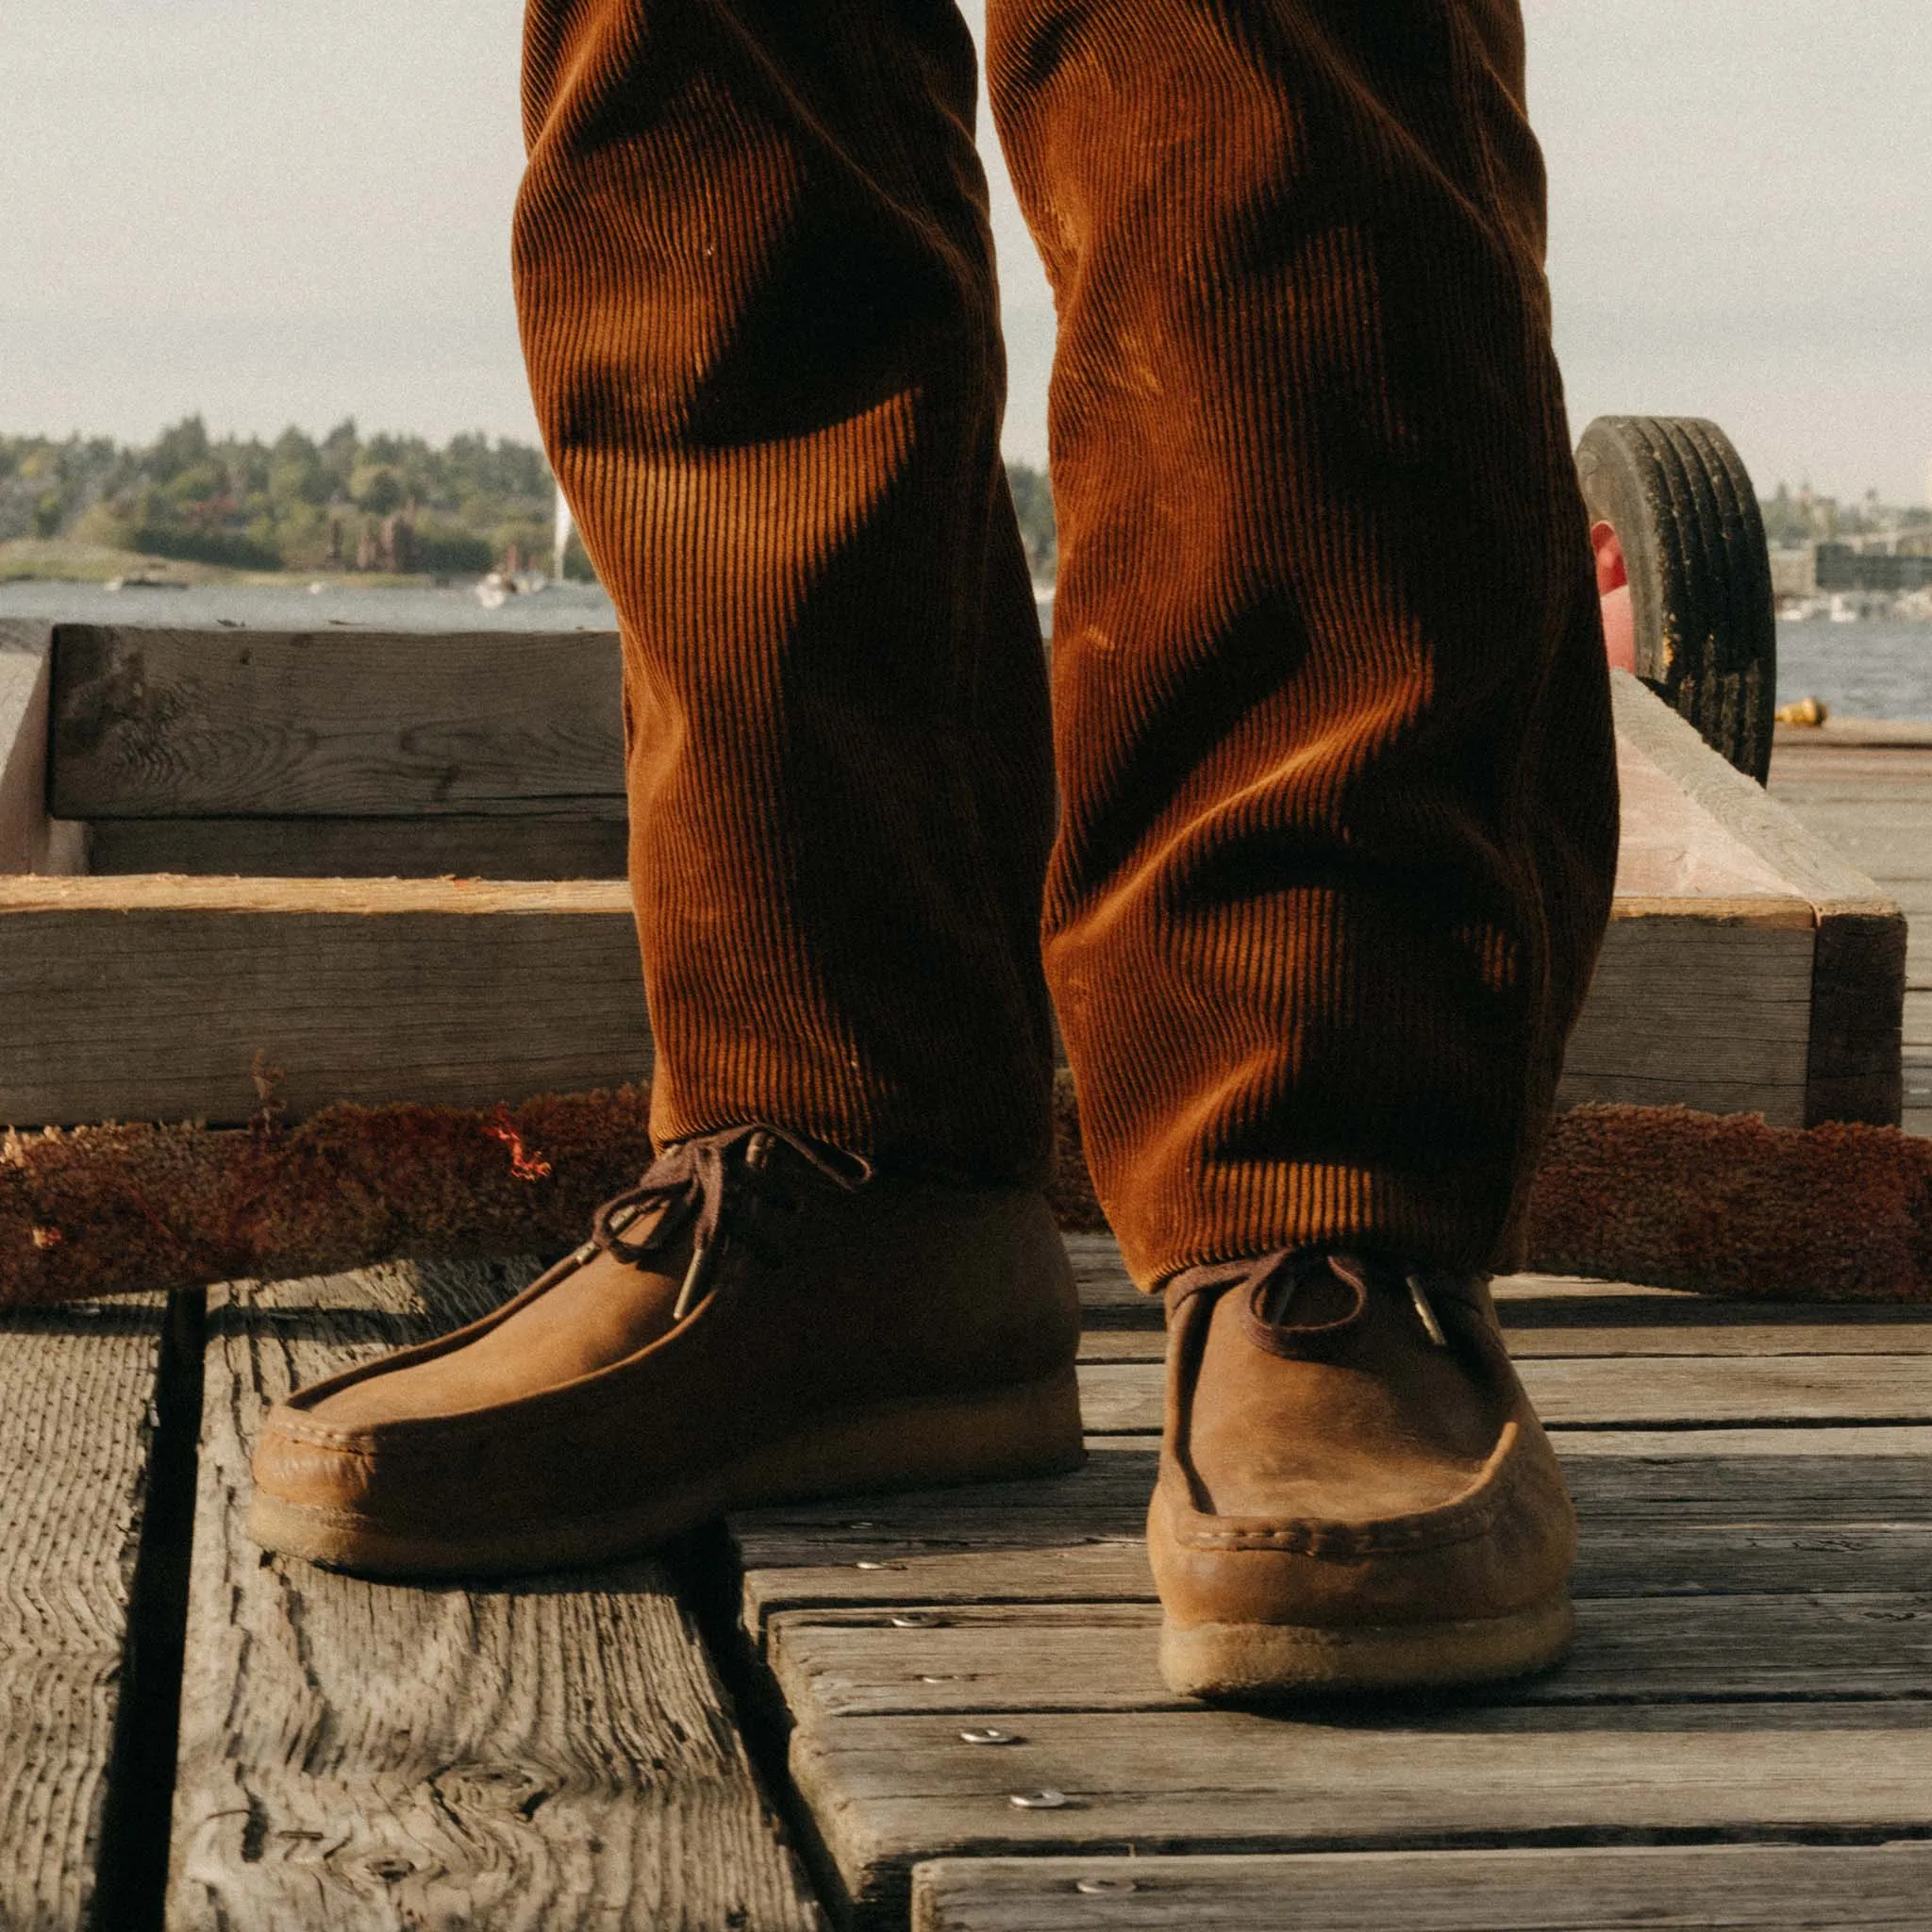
(1354, 1493)
(757, 1320)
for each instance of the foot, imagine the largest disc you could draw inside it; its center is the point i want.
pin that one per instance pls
(757, 1320)
(1355, 1494)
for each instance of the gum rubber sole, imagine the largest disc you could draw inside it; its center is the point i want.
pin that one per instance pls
(1032, 1430)
(1263, 1662)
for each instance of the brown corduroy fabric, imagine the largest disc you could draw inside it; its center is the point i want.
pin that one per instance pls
(1330, 708)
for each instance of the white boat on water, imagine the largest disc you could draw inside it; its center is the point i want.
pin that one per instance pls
(495, 590)
(1845, 607)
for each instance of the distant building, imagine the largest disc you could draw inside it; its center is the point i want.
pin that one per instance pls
(1842, 568)
(1794, 571)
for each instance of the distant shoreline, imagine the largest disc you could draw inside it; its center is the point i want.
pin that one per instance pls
(58, 560)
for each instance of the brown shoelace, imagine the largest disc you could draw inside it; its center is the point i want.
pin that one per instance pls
(713, 1188)
(1272, 1282)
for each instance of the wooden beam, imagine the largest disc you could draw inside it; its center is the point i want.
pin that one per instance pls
(150, 998)
(162, 723)
(547, 1753)
(297, 848)
(1858, 972)
(30, 841)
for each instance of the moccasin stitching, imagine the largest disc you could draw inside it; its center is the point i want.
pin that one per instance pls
(1520, 1471)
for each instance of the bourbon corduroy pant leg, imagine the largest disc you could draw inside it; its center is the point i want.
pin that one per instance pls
(1338, 801)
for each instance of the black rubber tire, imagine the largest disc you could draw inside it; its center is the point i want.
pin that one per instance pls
(1683, 508)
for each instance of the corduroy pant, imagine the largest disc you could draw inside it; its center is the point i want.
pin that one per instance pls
(1337, 805)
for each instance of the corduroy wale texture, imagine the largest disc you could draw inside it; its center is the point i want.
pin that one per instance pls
(1338, 810)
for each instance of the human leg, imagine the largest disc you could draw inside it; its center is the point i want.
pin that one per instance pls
(757, 294)
(1340, 826)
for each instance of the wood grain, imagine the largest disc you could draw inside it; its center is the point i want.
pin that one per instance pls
(547, 1753)
(1100, 1656)
(1765, 1338)
(1119, 1397)
(1550, 1315)
(1702, 1561)
(151, 998)
(1763, 1888)
(75, 1387)
(1811, 868)
(30, 839)
(1709, 1012)
(152, 723)
(1690, 1510)
(891, 1791)
(469, 847)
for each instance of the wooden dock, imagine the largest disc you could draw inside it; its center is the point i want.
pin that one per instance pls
(942, 1712)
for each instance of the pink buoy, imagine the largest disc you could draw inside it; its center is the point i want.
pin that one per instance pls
(1613, 596)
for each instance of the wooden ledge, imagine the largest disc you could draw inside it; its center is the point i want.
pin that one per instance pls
(188, 892)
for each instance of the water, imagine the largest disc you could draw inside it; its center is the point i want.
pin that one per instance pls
(1859, 670)
(292, 607)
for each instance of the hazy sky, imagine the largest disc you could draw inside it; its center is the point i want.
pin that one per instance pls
(269, 213)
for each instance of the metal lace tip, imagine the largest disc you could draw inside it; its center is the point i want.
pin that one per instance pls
(1432, 1327)
(693, 1282)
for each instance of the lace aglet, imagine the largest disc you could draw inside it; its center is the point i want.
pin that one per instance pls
(693, 1282)
(1432, 1327)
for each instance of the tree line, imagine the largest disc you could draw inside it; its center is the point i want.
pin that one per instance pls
(340, 502)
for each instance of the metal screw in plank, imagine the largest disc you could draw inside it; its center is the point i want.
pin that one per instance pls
(1104, 1888)
(1037, 1801)
(988, 1735)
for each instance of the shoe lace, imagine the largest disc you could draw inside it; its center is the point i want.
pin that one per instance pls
(1272, 1283)
(703, 1186)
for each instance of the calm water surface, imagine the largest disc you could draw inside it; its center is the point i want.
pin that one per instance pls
(1861, 670)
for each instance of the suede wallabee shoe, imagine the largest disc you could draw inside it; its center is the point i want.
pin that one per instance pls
(757, 1320)
(1355, 1494)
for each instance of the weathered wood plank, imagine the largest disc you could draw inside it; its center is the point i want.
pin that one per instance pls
(1539, 1342)
(1852, 1034)
(30, 839)
(76, 1389)
(1705, 1510)
(1809, 865)
(152, 723)
(1798, 1474)
(1761, 1887)
(1712, 1013)
(1125, 1397)
(150, 998)
(1553, 1315)
(475, 847)
(550, 1752)
(1093, 1657)
(1701, 1560)
(1798, 740)
(891, 1791)
(1673, 846)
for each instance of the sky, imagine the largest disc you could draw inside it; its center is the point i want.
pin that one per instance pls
(272, 214)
